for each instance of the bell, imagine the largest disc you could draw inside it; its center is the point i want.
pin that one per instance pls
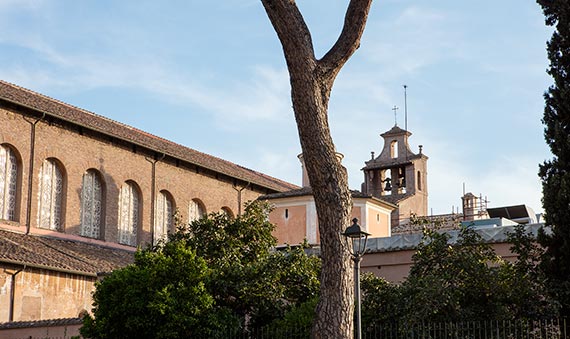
(388, 187)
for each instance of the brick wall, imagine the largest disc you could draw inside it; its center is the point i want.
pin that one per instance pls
(78, 150)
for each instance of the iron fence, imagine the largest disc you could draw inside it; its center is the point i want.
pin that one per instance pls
(509, 329)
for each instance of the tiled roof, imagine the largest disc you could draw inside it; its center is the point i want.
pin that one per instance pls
(403, 242)
(308, 191)
(394, 198)
(380, 163)
(81, 117)
(61, 255)
(396, 131)
(41, 323)
(287, 194)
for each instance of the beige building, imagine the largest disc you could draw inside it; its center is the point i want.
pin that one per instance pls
(295, 214)
(79, 192)
(391, 258)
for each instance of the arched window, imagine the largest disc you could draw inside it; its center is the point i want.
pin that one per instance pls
(129, 200)
(196, 210)
(227, 211)
(50, 195)
(163, 216)
(394, 149)
(91, 205)
(8, 183)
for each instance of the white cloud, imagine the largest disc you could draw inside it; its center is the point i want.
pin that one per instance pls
(264, 96)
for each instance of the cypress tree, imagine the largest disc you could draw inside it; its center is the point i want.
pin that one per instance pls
(555, 173)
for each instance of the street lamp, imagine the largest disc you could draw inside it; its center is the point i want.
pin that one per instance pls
(359, 239)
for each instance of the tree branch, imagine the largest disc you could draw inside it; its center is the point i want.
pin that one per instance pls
(349, 39)
(292, 31)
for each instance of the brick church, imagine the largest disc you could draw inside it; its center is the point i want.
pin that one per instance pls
(79, 192)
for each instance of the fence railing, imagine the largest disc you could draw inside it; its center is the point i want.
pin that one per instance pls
(510, 329)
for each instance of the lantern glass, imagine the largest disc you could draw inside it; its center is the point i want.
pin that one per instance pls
(358, 236)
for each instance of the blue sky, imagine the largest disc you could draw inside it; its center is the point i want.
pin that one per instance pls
(211, 75)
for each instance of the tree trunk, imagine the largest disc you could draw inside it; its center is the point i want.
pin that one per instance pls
(329, 183)
(311, 84)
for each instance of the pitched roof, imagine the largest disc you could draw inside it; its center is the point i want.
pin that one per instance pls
(287, 194)
(395, 131)
(401, 242)
(61, 255)
(33, 100)
(41, 323)
(308, 191)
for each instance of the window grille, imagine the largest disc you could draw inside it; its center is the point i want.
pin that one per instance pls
(91, 205)
(50, 196)
(195, 211)
(128, 214)
(8, 183)
(163, 218)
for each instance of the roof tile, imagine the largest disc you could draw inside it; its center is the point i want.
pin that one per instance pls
(61, 255)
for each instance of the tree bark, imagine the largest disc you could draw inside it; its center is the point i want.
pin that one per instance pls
(311, 85)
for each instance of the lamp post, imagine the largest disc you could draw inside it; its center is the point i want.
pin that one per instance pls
(359, 239)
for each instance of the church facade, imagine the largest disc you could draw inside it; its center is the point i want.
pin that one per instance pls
(80, 192)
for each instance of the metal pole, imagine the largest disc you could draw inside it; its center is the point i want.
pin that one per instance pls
(357, 294)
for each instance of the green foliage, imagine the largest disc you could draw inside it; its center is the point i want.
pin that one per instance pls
(216, 274)
(297, 272)
(527, 281)
(454, 282)
(224, 241)
(555, 173)
(161, 295)
(283, 280)
(247, 276)
(297, 320)
(382, 300)
(461, 281)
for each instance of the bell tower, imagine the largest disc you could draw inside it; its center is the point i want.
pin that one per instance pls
(398, 176)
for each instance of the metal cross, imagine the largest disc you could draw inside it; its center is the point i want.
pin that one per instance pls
(395, 108)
